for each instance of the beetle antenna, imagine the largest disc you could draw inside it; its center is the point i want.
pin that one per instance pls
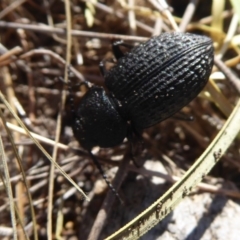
(71, 97)
(96, 162)
(70, 90)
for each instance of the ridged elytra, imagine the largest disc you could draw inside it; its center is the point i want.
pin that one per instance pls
(148, 84)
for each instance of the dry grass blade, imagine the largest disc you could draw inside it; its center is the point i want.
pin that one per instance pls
(26, 185)
(166, 203)
(236, 7)
(6, 180)
(77, 33)
(230, 34)
(191, 8)
(59, 120)
(36, 136)
(232, 78)
(8, 54)
(40, 147)
(217, 22)
(213, 93)
(11, 7)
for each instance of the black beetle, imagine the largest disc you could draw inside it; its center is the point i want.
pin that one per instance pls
(147, 85)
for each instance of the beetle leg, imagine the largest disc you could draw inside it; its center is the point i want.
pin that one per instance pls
(136, 143)
(97, 164)
(117, 52)
(86, 83)
(183, 117)
(116, 48)
(102, 66)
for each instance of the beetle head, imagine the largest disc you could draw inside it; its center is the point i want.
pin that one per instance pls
(97, 122)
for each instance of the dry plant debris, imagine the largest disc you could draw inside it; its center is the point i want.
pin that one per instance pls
(35, 48)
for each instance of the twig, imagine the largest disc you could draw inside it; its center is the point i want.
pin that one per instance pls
(100, 220)
(228, 73)
(77, 33)
(188, 14)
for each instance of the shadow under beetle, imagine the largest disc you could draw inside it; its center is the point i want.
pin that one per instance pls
(150, 83)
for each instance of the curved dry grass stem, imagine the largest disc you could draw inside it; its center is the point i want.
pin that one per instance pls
(165, 204)
(59, 122)
(5, 177)
(40, 147)
(21, 168)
